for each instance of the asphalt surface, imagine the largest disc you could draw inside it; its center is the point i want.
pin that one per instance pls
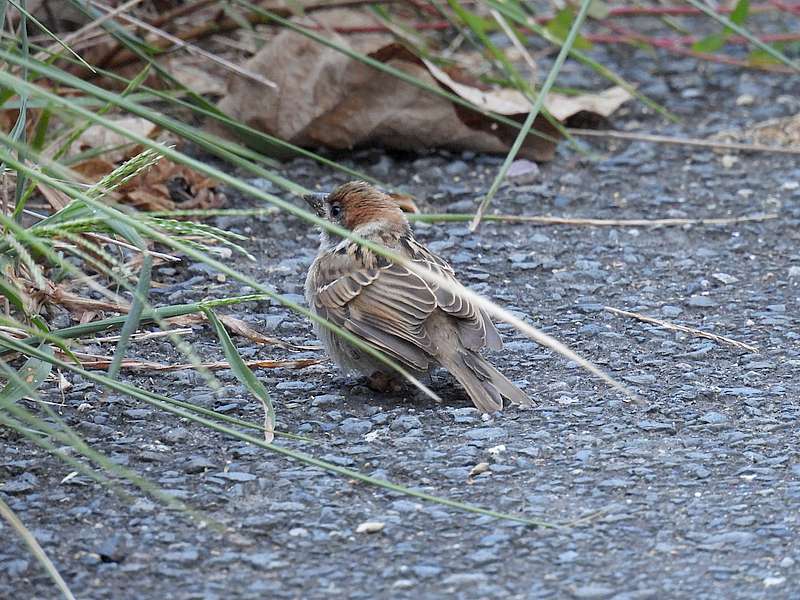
(696, 495)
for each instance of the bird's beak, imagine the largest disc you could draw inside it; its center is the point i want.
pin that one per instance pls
(317, 203)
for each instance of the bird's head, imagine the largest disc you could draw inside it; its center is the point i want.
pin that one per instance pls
(361, 208)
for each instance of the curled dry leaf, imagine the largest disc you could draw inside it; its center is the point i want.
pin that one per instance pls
(326, 98)
(169, 186)
(512, 102)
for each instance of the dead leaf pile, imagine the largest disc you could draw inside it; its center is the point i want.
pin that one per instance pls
(164, 186)
(782, 132)
(325, 98)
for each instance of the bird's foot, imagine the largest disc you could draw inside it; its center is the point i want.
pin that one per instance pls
(384, 382)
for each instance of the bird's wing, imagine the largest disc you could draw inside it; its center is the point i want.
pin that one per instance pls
(387, 307)
(475, 328)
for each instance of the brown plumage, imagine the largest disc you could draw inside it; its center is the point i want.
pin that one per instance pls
(413, 321)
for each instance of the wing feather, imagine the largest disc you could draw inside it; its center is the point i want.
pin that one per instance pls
(387, 307)
(476, 329)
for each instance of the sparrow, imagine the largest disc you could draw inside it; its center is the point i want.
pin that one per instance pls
(412, 320)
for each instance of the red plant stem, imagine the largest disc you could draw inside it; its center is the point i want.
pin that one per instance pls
(791, 8)
(677, 11)
(628, 11)
(673, 45)
(729, 60)
(662, 42)
(424, 6)
(622, 36)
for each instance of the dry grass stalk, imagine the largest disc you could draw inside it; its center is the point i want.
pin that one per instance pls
(682, 328)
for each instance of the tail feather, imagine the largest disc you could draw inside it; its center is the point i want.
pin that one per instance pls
(485, 385)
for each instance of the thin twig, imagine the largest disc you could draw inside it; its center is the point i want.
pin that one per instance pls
(677, 11)
(791, 8)
(102, 362)
(108, 240)
(501, 20)
(239, 327)
(682, 328)
(665, 139)
(141, 336)
(542, 220)
(180, 11)
(80, 34)
(192, 49)
(117, 56)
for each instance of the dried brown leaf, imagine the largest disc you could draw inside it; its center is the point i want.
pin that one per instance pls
(326, 98)
(164, 186)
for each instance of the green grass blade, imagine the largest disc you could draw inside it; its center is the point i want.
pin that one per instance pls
(148, 316)
(18, 132)
(537, 106)
(243, 372)
(133, 319)
(292, 454)
(29, 377)
(35, 549)
(12, 293)
(490, 307)
(40, 25)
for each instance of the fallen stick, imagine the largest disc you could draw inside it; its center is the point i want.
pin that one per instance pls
(664, 139)
(433, 218)
(137, 365)
(682, 328)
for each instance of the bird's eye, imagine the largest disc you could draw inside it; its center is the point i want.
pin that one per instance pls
(336, 210)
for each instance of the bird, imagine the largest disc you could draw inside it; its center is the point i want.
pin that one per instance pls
(411, 319)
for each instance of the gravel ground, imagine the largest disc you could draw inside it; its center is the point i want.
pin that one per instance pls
(695, 496)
